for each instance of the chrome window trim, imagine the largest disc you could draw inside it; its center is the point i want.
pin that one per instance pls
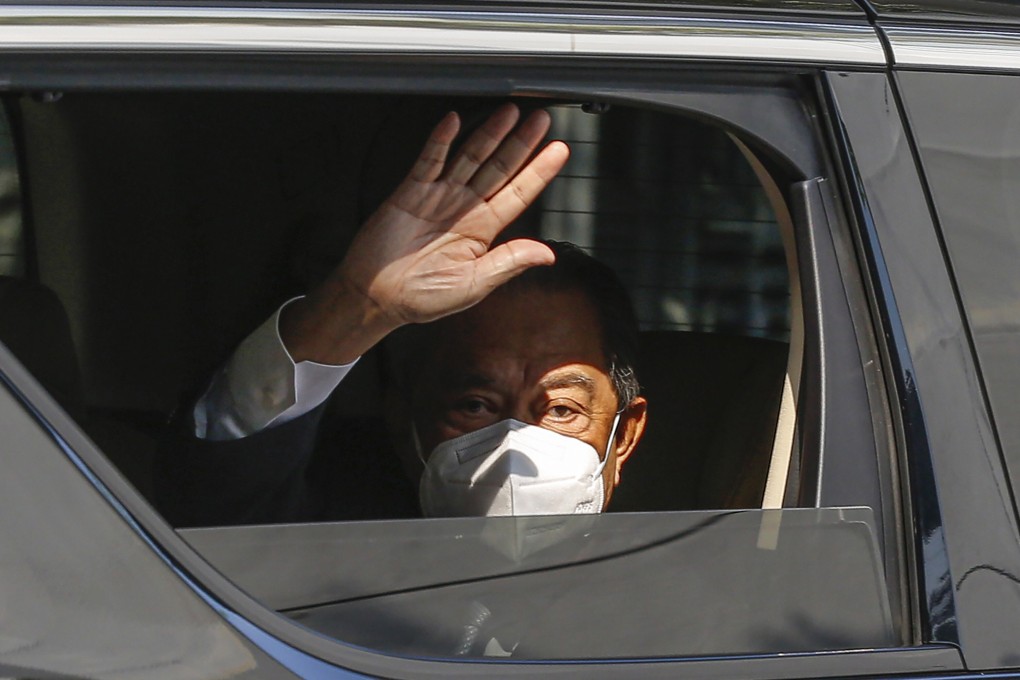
(985, 49)
(163, 29)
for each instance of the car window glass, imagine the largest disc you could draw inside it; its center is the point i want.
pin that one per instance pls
(573, 586)
(974, 173)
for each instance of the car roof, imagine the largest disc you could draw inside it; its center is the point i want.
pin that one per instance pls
(842, 8)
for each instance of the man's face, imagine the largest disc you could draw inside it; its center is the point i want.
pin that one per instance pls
(530, 355)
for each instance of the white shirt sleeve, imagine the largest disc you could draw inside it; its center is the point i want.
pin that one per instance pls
(261, 386)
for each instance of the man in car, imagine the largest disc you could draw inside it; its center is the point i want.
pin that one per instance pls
(519, 397)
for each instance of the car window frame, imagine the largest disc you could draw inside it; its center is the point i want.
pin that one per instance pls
(954, 477)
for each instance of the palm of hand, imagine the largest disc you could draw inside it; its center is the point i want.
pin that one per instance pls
(425, 252)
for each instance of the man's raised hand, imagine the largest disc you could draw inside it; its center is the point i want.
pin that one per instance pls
(425, 253)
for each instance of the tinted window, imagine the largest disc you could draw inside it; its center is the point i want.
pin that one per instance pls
(971, 155)
(600, 586)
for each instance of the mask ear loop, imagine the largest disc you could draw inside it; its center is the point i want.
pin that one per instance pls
(609, 446)
(417, 442)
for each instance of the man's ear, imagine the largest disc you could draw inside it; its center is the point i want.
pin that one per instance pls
(629, 431)
(399, 414)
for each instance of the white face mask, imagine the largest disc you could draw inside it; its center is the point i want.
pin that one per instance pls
(512, 468)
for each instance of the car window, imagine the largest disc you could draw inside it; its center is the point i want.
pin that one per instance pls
(682, 220)
(168, 225)
(974, 171)
(552, 587)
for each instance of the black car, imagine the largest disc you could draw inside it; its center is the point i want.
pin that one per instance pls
(814, 204)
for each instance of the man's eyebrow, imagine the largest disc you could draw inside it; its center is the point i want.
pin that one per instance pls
(569, 380)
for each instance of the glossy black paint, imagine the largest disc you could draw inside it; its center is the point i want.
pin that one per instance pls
(947, 12)
(938, 621)
(973, 173)
(965, 496)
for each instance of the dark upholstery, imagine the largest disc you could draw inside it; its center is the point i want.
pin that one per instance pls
(34, 326)
(713, 403)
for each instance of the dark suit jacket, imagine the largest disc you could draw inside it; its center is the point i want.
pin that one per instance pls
(301, 471)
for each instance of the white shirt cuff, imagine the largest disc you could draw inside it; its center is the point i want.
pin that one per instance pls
(261, 386)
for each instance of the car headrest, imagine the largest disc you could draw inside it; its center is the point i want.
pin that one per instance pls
(713, 402)
(35, 328)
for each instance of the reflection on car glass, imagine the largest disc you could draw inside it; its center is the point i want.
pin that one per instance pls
(548, 587)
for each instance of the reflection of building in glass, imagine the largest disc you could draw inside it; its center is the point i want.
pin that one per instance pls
(673, 206)
(12, 254)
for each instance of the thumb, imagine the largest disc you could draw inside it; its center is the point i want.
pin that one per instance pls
(511, 259)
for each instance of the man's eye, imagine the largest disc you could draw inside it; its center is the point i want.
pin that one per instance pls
(561, 411)
(472, 406)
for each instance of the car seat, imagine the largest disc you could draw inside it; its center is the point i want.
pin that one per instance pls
(713, 404)
(35, 328)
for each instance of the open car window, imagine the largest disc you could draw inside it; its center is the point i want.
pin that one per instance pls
(170, 224)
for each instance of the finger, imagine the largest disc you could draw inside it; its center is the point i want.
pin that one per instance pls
(511, 155)
(508, 260)
(482, 143)
(429, 165)
(525, 187)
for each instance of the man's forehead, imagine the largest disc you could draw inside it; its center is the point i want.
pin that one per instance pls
(467, 375)
(528, 315)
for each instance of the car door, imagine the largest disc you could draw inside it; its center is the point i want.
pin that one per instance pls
(845, 565)
(965, 163)
(965, 156)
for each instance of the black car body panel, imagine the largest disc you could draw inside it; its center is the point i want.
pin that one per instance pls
(897, 413)
(948, 12)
